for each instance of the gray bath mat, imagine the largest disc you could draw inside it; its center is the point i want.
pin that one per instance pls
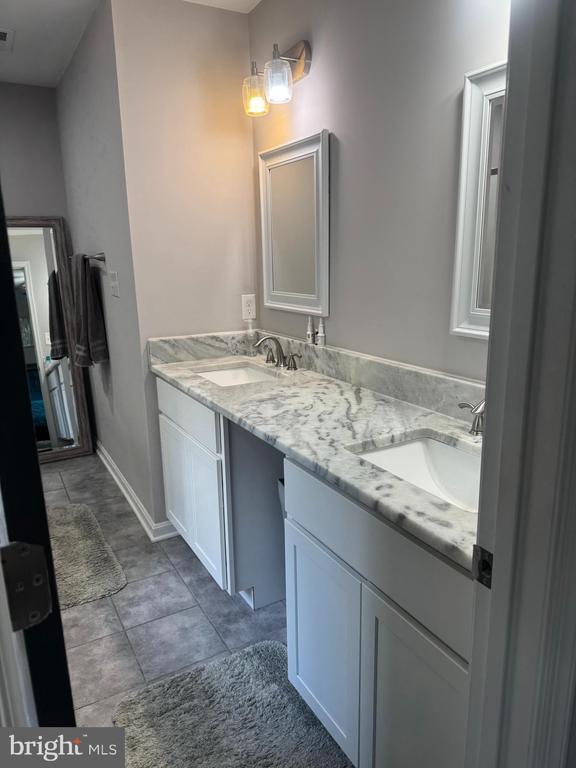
(86, 568)
(237, 712)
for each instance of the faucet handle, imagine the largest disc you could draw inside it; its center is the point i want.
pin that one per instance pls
(292, 365)
(270, 356)
(479, 408)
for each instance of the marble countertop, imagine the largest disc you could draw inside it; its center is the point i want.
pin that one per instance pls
(314, 420)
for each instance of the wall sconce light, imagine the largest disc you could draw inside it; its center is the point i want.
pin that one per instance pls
(275, 85)
(254, 94)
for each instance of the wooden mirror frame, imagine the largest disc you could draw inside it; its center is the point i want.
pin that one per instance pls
(80, 381)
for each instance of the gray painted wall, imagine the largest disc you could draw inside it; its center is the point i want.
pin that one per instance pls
(386, 80)
(188, 158)
(30, 160)
(93, 158)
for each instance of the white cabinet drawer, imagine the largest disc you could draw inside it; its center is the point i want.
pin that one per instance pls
(190, 415)
(437, 595)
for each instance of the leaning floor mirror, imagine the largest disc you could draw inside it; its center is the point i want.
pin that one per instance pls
(482, 129)
(56, 387)
(294, 200)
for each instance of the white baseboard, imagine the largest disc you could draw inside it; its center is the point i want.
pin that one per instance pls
(155, 531)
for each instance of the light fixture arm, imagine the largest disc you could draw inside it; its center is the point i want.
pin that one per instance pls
(299, 56)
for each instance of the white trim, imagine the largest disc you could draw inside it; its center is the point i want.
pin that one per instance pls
(481, 88)
(155, 531)
(524, 658)
(318, 147)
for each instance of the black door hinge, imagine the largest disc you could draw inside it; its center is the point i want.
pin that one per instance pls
(27, 587)
(482, 566)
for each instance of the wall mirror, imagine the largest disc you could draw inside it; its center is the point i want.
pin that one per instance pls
(482, 129)
(294, 199)
(39, 253)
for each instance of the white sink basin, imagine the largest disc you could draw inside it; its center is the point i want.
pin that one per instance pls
(236, 375)
(450, 472)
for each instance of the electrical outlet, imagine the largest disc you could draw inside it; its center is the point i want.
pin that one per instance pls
(114, 284)
(47, 339)
(248, 306)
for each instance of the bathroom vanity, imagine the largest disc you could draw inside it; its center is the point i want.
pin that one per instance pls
(375, 570)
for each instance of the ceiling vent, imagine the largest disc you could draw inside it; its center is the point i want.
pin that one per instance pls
(6, 39)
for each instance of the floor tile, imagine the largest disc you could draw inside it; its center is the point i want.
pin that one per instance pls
(99, 714)
(142, 560)
(151, 598)
(76, 464)
(90, 621)
(56, 497)
(108, 510)
(197, 578)
(238, 625)
(236, 622)
(83, 488)
(52, 481)
(124, 534)
(177, 550)
(169, 644)
(190, 667)
(102, 668)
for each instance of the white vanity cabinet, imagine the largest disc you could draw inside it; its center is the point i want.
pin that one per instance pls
(193, 476)
(379, 631)
(414, 692)
(323, 601)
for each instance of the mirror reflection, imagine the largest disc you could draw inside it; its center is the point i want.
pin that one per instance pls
(40, 311)
(293, 222)
(488, 248)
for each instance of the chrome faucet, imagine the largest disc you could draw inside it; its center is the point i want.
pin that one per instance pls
(280, 357)
(478, 412)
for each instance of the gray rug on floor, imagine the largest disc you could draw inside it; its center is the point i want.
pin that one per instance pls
(237, 712)
(86, 568)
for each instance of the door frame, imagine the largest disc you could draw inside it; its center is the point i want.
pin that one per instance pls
(24, 511)
(523, 671)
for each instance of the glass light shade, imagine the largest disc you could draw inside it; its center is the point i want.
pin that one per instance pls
(278, 79)
(254, 96)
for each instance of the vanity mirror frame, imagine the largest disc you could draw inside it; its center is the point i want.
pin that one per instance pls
(62, 250)
(481, 89)
(316, 147)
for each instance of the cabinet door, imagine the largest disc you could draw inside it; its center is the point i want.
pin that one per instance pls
(193, 493)
(177, 477)
(207, 540)
(414, 694)
(323, 616)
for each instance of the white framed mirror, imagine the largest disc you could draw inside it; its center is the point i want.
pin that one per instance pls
(482, 128)
(294, 200)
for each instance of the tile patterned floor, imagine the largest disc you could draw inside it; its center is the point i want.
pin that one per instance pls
(170, 617)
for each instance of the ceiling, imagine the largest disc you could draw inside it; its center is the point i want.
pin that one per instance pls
(242, 6)
(46, 33)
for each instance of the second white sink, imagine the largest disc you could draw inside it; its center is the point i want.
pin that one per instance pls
(236, 375)
(447, 471)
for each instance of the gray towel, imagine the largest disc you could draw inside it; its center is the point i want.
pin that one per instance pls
(58, 340)
(90, 332)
